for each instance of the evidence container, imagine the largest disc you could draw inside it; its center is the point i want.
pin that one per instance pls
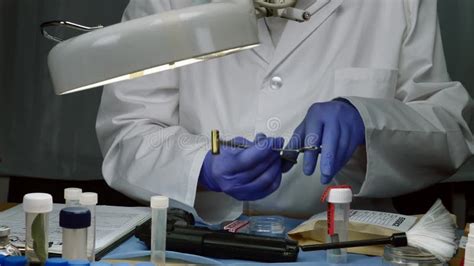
(89, 200)
(159, 207)
(339, 200)
(72, 196)
(6, 247)
(410, 256)
(37, 207)
(74, 221)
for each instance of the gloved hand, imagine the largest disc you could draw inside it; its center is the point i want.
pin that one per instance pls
(337, 127)
(245, 174)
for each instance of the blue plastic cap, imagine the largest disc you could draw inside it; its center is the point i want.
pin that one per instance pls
(121, 264)
(78, 263)
(100, 263)
(2, 258)
(15, 261)
(56, 262)
(145, 264)
(75, 218)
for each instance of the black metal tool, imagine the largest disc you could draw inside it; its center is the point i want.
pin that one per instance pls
(397, 240)
(216, 143)
(187, 238)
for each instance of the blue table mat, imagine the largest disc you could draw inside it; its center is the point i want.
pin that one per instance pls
(134, 248)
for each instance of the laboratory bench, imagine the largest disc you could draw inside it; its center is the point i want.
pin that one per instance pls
(133, 251)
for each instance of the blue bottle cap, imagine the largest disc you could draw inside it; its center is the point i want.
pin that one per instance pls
(2, 258)
(15, 261)
(75, 218)
(78, 263)
(145, 264)
(121, 264)
(100, 263)
(56, 262)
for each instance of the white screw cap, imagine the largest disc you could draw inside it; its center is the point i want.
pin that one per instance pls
(89, 198)
(37, 203)
(159, 202)
(72, 193)
(340, 195)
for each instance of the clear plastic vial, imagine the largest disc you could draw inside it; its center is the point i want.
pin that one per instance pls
(159, 207)
(74, 221)
(72, 196)
(469, 254)
(89, 200)
(6, 248)
(37, 207)
(339, 200)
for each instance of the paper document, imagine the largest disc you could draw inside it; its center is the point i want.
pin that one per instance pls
(112, 223)
(397, 222)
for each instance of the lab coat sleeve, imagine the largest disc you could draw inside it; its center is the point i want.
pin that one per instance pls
(145, 150)
(422, 136)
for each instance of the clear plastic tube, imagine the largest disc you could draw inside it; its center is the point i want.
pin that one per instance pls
(36, 240)
(91, 234)
(341, 229)
(159, 207)
(72, 196)
(89, 200)
(74, 243)
(72, 203)
(74, 221)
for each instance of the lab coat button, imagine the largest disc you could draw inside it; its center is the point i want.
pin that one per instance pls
(276, 83)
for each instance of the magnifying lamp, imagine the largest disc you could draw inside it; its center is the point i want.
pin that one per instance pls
(155, 43)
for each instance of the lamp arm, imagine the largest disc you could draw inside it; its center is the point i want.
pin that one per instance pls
(283, 9)
(262, 3)
(67, 24)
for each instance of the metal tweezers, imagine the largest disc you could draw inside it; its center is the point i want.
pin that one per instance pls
(243, 146)
(216, 142)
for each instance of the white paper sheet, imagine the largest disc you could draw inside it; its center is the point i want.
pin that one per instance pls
(112, 223)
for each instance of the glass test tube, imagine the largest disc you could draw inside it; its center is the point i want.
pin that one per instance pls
(89, 200)
(72, 196)
(74, 221)
(339, 200)
(159, 207)
(37, 207)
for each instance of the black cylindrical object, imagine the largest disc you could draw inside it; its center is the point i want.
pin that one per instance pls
(397, 240)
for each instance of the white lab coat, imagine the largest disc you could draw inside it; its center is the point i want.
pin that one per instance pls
(385, 56)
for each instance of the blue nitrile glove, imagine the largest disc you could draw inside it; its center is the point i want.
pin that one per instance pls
(245, 174)
(337, 127)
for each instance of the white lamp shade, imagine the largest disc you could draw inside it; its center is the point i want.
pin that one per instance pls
(152, 44)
